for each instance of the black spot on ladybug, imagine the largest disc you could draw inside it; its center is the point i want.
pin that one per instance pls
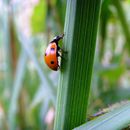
(52, 49)
(52, 62)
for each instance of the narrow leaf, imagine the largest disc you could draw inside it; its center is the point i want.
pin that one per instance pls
(75, 77)
(115, 120)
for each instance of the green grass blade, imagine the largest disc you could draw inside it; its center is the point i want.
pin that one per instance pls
(16, 89)
(7, 44)
(123, 20)
(80, 40)
(115, 120)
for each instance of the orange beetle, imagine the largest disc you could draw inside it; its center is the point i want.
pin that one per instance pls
(52, 53)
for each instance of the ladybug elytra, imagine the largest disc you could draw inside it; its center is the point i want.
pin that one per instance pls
(52, 53)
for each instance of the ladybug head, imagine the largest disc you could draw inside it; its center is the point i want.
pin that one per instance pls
(57, 38)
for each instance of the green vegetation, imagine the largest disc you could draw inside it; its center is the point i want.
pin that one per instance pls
(80, 39)
(88, 84)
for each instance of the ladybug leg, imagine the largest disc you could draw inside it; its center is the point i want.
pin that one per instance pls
(58, 67)
(61, 50)
(58, 54)
(61, 56)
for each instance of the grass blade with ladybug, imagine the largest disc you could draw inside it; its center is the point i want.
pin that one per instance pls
(53, 52)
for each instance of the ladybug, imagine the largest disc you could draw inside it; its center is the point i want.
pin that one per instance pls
(53, 52)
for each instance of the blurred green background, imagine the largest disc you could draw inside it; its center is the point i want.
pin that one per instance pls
(28, 88)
